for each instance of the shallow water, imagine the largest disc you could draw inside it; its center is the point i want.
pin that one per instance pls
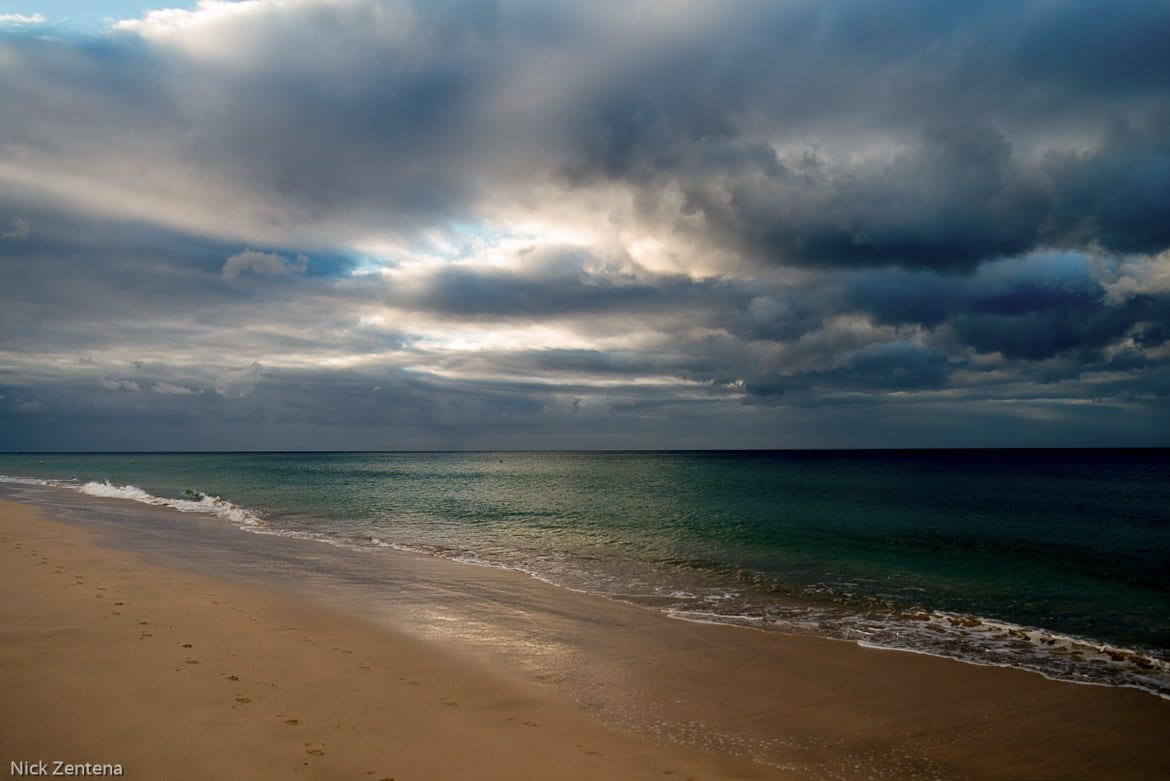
(1051, 561)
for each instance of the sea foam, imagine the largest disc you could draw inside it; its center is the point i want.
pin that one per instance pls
(207, 505)
(28, 481)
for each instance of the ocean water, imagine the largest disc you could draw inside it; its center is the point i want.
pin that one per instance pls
(1056, 561)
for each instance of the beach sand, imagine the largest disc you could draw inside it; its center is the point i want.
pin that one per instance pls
(108, 658)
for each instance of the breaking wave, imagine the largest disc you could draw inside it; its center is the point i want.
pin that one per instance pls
(193, 502)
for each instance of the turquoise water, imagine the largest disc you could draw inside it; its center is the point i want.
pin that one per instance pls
(1054, 561)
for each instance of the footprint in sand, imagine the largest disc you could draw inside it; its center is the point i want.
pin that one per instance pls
(315, 749)
(232, 677)
(242, 699)
(192, 661)
(292, 722)
(187, 645)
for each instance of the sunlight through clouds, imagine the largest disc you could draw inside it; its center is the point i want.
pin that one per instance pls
(689, 217)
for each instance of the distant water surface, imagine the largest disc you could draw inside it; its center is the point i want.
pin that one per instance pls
(1049, 560)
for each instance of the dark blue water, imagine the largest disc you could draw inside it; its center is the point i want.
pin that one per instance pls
(1055, 561)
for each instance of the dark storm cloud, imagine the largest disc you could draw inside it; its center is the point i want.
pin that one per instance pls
(898, 365)
(1031, 310)
(958, 196)
(964, 96)
(1042, 333)
(1116, 197)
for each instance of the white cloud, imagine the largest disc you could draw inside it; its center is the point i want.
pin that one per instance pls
(120, 385)
(19, 231)
(1148, 275)
(238, 383)
(20, 19)
(170, 389)
(268, 264)
(243, 33)
(164, 23)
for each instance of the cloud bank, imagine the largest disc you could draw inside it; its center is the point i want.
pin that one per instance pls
(370, 224)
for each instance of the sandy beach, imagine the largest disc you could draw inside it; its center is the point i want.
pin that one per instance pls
(106, 657)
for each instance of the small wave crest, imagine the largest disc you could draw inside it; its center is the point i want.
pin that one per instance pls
(1002, 643)
(965, 638)
(14, 480)
(196, 503)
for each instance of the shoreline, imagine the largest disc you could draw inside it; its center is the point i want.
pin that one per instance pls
(981, 638)
(172, 674)
(708, 701)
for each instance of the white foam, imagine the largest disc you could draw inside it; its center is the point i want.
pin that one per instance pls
(998, 643)
(28, 481)
(206, 505)
(110, 491)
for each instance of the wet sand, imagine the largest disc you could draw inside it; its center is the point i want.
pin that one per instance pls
(108, 658)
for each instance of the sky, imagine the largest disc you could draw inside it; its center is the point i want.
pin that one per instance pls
(350, 224)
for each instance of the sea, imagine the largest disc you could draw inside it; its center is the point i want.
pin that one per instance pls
(1053, 561)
